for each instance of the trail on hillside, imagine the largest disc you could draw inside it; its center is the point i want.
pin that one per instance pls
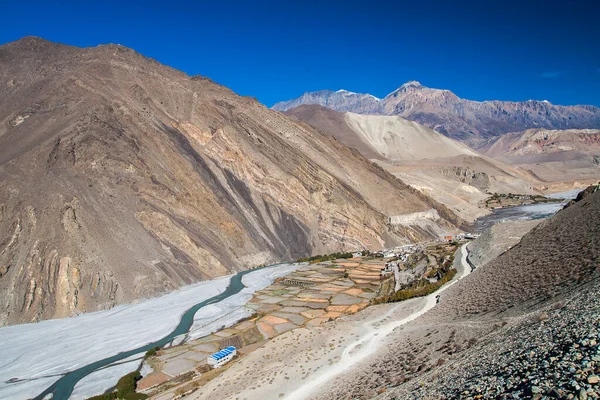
(370, 342)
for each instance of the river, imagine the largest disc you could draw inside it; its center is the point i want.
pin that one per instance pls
(49, 358)
(528, 212)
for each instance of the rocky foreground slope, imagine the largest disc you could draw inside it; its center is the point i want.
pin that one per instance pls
(462, 119)
(553, 258)
(552, 353)
(123, 178)
(536, 308)
(497, 239)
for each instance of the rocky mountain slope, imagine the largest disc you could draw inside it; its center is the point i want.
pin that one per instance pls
(554, 257)
(442, 168)
(552, 155)
(539, 304)
(341, 100)
(466, 120)
(123, 178)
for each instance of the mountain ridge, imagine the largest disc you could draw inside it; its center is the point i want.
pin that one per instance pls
(467, 120)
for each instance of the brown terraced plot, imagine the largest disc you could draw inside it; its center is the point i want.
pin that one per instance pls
(310, 296)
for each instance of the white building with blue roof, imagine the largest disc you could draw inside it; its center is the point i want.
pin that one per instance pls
(221, 357)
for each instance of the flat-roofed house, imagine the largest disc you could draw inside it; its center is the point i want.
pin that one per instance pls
(221, 357)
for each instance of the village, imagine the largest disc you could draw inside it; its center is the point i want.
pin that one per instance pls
(505, 200)
(315, 294)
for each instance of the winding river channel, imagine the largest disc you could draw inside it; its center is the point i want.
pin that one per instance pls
(49, 359)
(63, 388)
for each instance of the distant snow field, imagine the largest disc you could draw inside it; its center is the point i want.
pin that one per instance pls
(36, 355)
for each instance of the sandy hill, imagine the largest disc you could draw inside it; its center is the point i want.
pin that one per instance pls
(381, 137)
(442, 168)
(470, 121)
(334, 123)
(123, 178)
(398, 139)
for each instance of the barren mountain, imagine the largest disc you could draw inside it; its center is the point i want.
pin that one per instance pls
(552, 155)
(123, 178)
(341, 100)
(466, 120)
(442, 168)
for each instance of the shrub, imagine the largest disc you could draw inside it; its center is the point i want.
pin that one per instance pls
(126, 385)
(152, 352)
(422, 289)
(318, 258)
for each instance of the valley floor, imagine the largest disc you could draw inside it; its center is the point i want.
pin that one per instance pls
(36, 355)
(309, 361)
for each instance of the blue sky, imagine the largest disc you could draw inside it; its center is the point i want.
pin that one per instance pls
(277, 50)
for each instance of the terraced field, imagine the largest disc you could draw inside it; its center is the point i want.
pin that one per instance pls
(307, 297)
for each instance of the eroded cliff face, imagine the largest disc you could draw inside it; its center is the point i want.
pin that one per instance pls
(122, 178)
(477, 179)
(543, 142)
(562, 159)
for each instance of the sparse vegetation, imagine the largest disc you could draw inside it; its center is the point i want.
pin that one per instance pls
(422, 288)
(125, 389)
(503, 200)
(320, 258)
(152, 352)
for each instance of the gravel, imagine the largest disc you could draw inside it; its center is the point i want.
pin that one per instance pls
(550, 353)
